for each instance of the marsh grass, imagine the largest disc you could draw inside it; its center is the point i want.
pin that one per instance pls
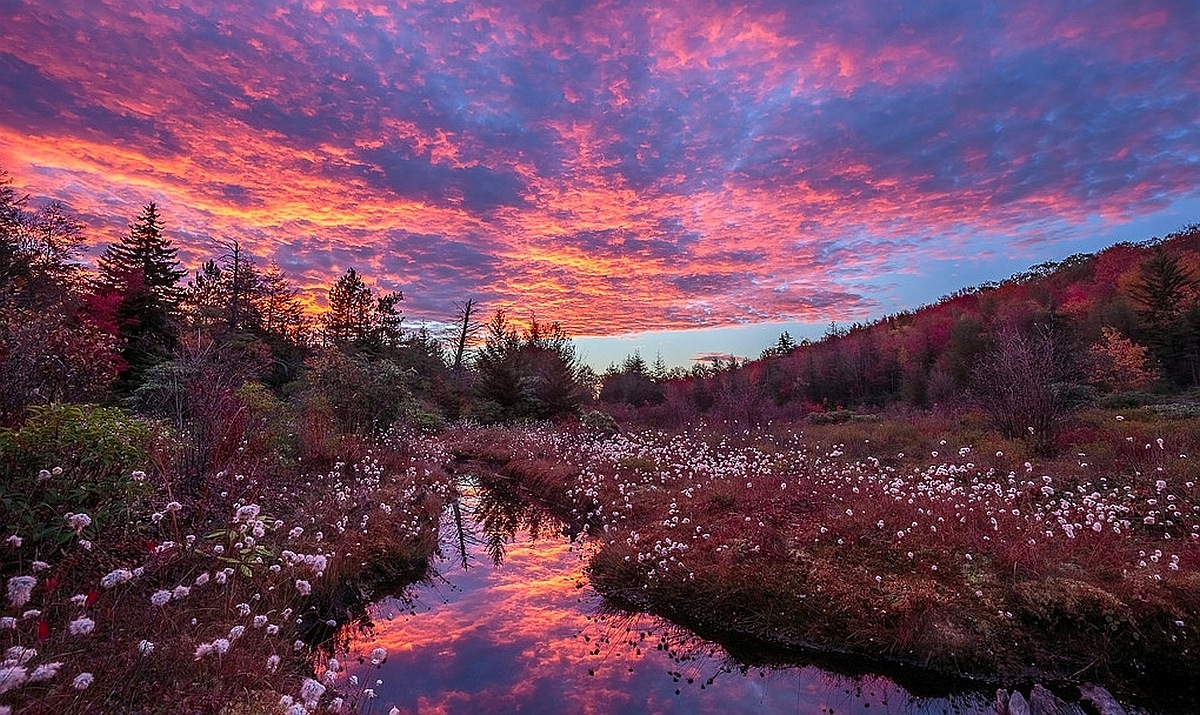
(918, 539)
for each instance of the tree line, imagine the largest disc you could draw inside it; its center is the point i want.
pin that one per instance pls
(196, 349)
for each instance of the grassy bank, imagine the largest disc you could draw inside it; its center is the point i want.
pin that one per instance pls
(128, 591)
(914, 541)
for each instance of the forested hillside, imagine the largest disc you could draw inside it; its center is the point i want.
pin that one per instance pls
(1121, 324)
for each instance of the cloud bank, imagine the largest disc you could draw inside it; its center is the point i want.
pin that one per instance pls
(619, 166)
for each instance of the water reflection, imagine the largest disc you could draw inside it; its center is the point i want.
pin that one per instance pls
(520, 630)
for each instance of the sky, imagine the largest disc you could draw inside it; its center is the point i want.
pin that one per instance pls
(679, 178)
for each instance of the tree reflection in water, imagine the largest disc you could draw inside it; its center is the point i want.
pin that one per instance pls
(508, 623)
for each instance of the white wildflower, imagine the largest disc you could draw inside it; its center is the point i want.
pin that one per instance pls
(113, 578)
(247, 512)
(82, 681)
(78, 522)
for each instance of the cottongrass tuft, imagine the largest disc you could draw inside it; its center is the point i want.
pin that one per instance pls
(81, 626)
(19, 655)
(12, 676)
(20, 588)
(45, 671)
(82, 681)
(310, 692)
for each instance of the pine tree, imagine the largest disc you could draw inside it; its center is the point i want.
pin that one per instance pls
(141, 274)
(148, 254)
(205, 297)
(282, 313)
(1163, 294)
(351, 308)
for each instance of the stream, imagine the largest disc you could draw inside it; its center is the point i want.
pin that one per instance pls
(507, 622)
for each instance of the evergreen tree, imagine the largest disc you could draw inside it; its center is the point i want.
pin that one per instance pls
(633, 383)
(350, 305)
(226, 295)
(148, 254)
(358, 319)
(658, 372)
(139, 276)
(535, 374)
(1163, 294)
(204, 298)
(280, 311)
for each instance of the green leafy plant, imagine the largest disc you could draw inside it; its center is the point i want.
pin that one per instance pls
(72, 459)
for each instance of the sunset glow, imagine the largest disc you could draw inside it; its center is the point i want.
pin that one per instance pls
(621, 167)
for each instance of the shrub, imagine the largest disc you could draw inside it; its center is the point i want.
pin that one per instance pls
(71, 458)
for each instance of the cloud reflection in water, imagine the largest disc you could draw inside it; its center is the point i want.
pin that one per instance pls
(532, 636)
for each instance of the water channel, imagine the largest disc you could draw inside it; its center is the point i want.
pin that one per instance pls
(508, 623)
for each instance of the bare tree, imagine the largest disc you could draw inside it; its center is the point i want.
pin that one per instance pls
(1020, 383)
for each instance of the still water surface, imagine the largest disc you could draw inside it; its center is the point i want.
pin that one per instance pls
(530, 635)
